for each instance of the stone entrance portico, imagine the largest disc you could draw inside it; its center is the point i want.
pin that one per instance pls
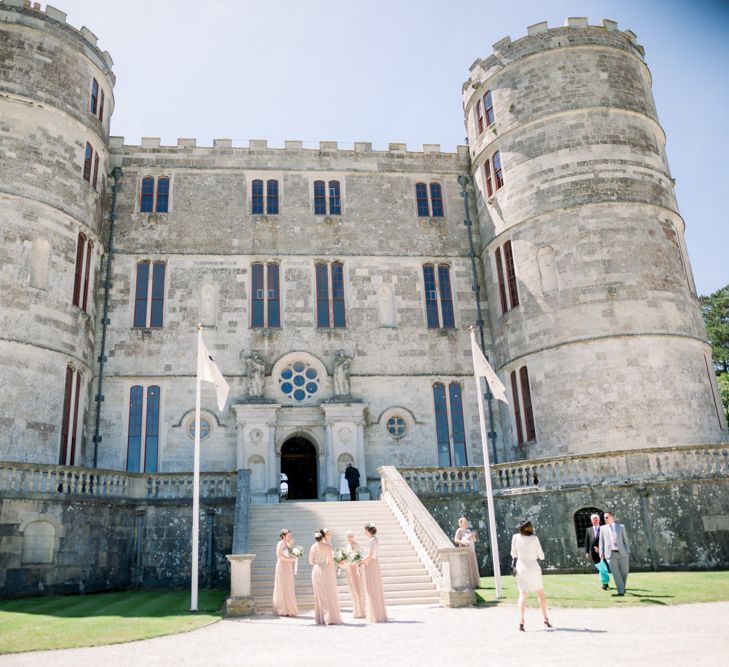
(335, 429)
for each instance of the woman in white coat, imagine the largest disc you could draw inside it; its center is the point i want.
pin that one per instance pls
(526, 549)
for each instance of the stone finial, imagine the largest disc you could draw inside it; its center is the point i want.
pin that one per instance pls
(328, 146)
(610, 25)
(222, 143)
(88, 35)
(397, 148)
(186, 142)
(536, 28)
(576, 22)
(362, 146)
(55, 14)
(290, 145)
(431, 148)
(150, 142)
(502, 44)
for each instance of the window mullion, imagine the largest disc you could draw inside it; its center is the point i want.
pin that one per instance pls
(438, 301)
(143, 430)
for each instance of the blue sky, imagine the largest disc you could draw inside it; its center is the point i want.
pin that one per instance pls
(392, 72)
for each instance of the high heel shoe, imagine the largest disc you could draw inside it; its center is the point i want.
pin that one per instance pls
(521, 627)
(547, 624)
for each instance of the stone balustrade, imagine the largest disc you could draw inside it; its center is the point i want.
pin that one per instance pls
(446, 563)
(560, 472)
(37, 478)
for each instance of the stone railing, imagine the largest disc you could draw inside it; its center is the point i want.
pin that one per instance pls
(446, 563)
(624, 467)
(37, 478)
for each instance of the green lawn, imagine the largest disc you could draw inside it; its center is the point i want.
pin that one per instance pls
(644, 588)
(105, 618)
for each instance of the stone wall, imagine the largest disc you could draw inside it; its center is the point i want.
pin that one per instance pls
(676, 525)
(55, 544)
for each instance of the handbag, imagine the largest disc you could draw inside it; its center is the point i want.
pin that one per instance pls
(513, 567)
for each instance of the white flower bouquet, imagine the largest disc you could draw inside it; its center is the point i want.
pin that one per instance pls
(355, 556)
(297, 551)
(340, 555)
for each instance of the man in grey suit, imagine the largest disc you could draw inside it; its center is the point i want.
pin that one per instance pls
(615, 549)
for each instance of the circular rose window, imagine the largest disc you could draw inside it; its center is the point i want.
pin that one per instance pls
(204, 429)
(396, 426)
(299, 381)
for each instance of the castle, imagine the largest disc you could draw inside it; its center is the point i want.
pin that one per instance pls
(336, 286)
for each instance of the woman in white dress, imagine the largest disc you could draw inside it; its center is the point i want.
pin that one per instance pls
(526, 549)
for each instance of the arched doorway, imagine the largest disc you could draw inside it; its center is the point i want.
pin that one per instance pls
(298, 463)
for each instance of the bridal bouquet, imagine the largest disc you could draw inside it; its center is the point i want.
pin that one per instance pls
(298, 552)
(340, 555)
(355, 556)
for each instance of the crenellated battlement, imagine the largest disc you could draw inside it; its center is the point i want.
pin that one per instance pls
(576, 31)
(58, 18)
(258, 148)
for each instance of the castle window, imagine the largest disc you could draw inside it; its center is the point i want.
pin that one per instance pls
(451, 436)
(396, 427)
(330, 312)
(488, 107)
(82, 273)
(143, 429)
(154, 195)
(522, 400)
(70, 417)
(265, 297)
(95, 180)
(487, 178)
(498, 172)
(101, 106)
(484, 112)
(94, 96)
(506, 269)
(88, 160)
(427, 208)
(438, 297)
(327, 198)
(267, 203)
(149, 295)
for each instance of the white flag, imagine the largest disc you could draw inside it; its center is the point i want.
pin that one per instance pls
(482, 368)
(208, 372)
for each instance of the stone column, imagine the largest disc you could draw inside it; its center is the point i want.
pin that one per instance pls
(241, 527)
(345, 435)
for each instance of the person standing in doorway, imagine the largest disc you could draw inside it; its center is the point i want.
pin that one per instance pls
(615, 549)
(351, 474)
(592, 550)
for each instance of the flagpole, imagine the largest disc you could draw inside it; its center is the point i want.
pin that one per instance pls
(196, 481)
(489, 489)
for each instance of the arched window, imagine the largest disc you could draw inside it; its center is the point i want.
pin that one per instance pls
(583, 522)
(438, 297)
(451, 437)
(436, 200)
(163, 195)
(421, 197)
(149, 295)
(498, 173)
(272, 197)
(265, 296)
(147, 200)
(143, 430)
(330, 304)
(320, 200)
(488, 107)
(257, 197)
(333, 192)
(335, 198)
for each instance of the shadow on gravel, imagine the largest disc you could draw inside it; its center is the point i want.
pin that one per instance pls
(587, 630)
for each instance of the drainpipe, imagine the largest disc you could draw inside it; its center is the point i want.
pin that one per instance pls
(116, 174)
(464, 181)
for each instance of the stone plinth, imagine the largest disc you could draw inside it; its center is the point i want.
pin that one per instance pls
(240, 602)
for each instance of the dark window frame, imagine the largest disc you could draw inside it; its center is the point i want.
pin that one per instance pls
(526, 396)
(93, 104)
(265, 295)
(436, 200)
(511, 275)
(88, 160)
(488, 107)
(421, 200)
(517, 409)
(498, 171)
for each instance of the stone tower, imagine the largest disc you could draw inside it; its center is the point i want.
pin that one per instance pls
(55, 105)
(596, 324)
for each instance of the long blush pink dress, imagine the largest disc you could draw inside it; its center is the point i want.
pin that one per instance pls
(464, 538)
(284, 593)
(374, 588)
(356, 585)
(324, 582)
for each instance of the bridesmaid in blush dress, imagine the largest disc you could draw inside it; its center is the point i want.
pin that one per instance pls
(354, 577)
(374, 588)
(284, 594)
(324, 580)
(464, 537)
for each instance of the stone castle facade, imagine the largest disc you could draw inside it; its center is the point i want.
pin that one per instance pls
(336, 285)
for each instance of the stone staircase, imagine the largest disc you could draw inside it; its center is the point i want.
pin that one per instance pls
(405, 577)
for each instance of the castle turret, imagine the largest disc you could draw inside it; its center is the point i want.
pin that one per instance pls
(55, 105)
(597, 328)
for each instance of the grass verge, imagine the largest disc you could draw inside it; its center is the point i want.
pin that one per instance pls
(644, 588)
(34, 624)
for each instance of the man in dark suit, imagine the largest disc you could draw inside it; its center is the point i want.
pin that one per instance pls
(351, 474)
(592, 550)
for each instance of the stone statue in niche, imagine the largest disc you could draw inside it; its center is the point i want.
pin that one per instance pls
(341, 374)
(256, 375)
